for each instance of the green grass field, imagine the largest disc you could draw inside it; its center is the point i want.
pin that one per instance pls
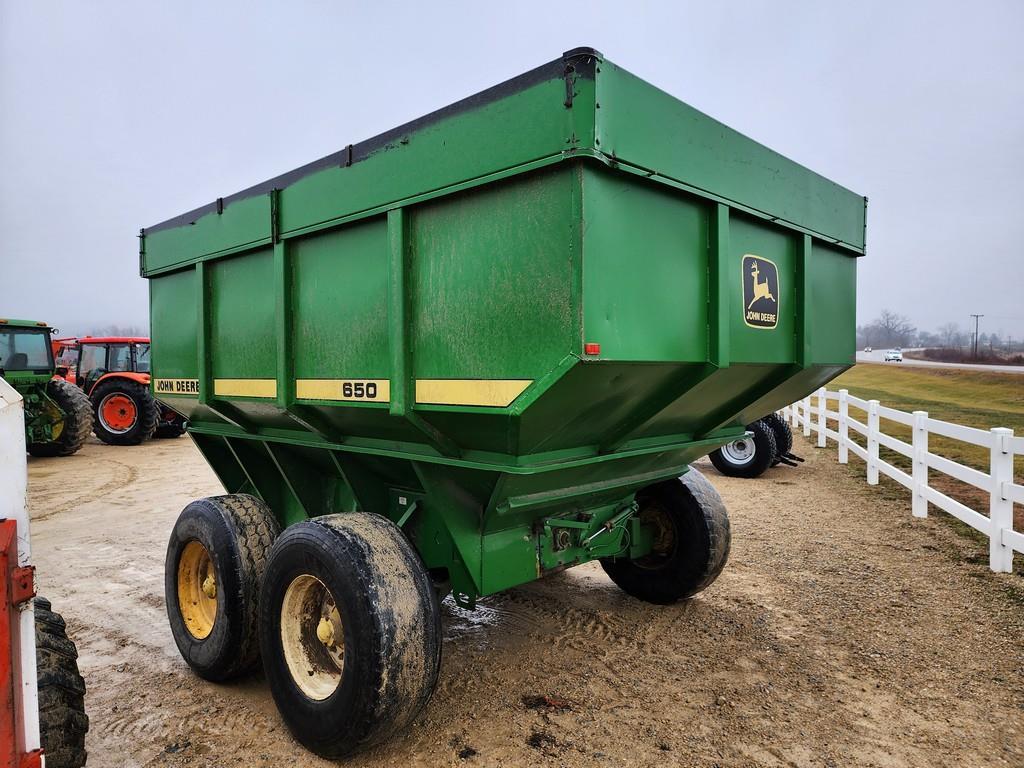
(971, 398)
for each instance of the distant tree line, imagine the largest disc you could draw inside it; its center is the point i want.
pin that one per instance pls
(890, 329)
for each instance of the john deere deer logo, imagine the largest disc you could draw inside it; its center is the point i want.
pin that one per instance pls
(760, 292)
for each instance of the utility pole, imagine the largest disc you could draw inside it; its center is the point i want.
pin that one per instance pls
(976, 319)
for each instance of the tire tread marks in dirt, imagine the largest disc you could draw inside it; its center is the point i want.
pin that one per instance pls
(62, 719)
(78, 420)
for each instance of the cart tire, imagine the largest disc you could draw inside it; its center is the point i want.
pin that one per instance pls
(168, 427)
(77, 420)
(125, 412)
(216, 559)
(62, 719)
(691, 546)
(747, 457)
(168, 431)
(782, 433)
(352, 580)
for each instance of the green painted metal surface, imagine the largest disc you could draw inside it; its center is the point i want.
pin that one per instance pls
(516, 311)
(26, 363)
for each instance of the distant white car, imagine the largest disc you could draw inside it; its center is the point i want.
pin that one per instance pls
(867, 349)
(894, 356)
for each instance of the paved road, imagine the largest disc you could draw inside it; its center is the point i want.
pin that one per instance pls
(877, 356)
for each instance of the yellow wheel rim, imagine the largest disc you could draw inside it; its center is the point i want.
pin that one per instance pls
(197, 590)
(56, 420)
(312, 637)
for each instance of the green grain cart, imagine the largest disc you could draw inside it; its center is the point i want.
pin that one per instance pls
(475, 350)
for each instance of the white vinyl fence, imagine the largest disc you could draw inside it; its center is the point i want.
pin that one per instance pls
(815, 413)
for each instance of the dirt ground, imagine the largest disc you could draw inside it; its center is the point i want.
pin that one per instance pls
(842, 633)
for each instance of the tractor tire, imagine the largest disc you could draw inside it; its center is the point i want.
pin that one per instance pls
(215, 562)
(350, 632)
(782, 433)
(747, 457)
(126, 413)
(691, 544)
(77, 424)
(62, 719)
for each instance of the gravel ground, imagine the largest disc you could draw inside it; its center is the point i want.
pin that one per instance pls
(842, 633)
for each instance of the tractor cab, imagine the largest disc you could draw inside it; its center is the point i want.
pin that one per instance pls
(99, 357)
(25, 350)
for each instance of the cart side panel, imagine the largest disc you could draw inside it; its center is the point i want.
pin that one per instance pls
(493, 280)
(833, 305)
(681, 143)
(241, 318)
(645, 275)
(339, 303)
(173, 319)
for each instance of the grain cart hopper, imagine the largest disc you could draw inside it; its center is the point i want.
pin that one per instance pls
(475, 350)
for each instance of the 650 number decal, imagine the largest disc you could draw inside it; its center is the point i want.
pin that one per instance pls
(359, 390)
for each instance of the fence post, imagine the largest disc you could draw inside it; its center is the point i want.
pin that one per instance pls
(919, 505)
(822, 421)
(795, 413)
(1000, 556)
(844, 427)
(807, 416)
(872, 442)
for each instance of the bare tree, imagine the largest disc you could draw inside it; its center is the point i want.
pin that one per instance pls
(891, 329)
(950, 333)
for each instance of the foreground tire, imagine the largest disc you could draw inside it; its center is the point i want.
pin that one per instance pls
(782, 433)
(691, 542)
(126, 413)
(747, 457)
(350, 632)
(62, 719)
(75, 420)
(215, 563)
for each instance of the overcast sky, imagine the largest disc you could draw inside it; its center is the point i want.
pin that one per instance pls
(118, 115)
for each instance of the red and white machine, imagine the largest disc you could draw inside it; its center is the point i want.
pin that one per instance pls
(19, 699)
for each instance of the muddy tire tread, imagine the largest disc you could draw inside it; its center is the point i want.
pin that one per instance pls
(78, 420)
(62, 719)
(250, 528)
(702, 523)
(255, 530)
(397, 633)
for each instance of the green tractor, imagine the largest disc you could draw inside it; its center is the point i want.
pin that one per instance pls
(58, 415)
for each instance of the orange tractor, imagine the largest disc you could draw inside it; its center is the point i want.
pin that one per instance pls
(114, 372)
